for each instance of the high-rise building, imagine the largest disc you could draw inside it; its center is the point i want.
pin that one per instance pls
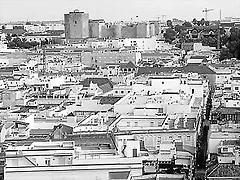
(76, 25)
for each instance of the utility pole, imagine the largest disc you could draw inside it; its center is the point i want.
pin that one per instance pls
(220, 15)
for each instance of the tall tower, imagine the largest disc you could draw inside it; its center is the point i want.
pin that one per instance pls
(76, 25)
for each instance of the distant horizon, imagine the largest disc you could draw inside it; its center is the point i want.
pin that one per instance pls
(116, 10)
(40, 21)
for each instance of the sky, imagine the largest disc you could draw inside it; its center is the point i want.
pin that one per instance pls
(116, 10)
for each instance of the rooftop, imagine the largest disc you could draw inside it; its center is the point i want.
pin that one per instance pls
(226, 170)
(200, 69)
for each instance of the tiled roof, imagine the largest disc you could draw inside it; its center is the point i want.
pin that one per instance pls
(227, 110)
(99, 81)
(186, 69)
(25, 109)
(65, 129)
(232, 142)
(226, 170)
(156, 54)
(92, 140)
(129, 64)
(199, 69)
(108, 99)
(105, 87)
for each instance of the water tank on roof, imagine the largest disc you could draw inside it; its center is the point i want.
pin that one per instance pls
(76, 10)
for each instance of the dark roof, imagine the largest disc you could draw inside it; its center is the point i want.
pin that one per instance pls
(129, 64)
(226, 170)
(227, 110)
(156, 54)
(9, 69)
(232, 142)
(119, 175)
(99, 81)
(105, 87)
(92, 140)
(65, 129)
(40, 131)
(200, 69)
(108, 99)
(25, 109)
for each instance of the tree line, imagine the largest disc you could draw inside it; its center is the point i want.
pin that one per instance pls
(229, 41)
(14, 41)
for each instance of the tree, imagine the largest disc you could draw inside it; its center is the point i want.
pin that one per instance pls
(169, 23)
(232, 43)
(8, 37)
(194, 21)
(209, 41)
(170, 35)
(225, 54)
(179, 28)
(207, 23)
(187, 24)
(202, 22)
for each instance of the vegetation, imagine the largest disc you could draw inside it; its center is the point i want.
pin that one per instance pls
(232, 45)
(229, 42)
(16, 42)
(21, 43)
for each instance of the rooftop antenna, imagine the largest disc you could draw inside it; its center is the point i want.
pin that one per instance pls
(44, 60)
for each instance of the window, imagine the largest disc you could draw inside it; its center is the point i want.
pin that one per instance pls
(151, 123)
(188, 138)
(170, 137)
(179, 137)
(160, 110)
(47, 162)
(192, 91)
(116, 92)
(136, 124)
(75, 22)
(128, 124)
(122, 92)
(162, 82)
(236, 88)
